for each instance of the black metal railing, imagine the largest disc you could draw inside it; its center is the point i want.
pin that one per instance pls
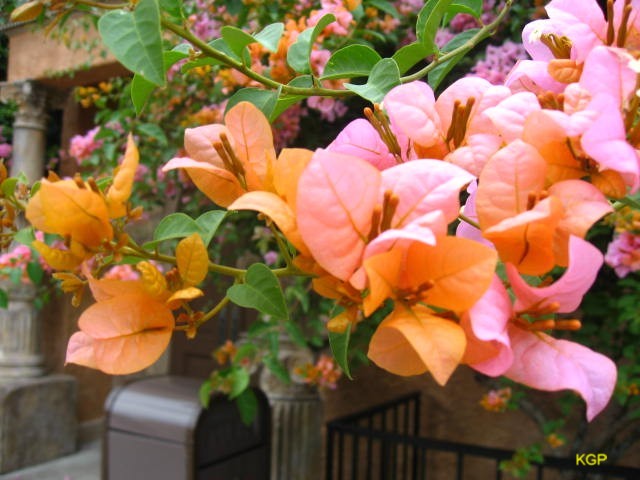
(383, 443)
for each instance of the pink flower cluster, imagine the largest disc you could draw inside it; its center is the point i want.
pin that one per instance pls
(499, 60)
(623, 254)
(344, 18)
(5, 146)
(82, 146)
(325, 373)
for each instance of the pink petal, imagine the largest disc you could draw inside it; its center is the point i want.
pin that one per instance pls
(482, 91)
(542, 362)
(465, 230)
(424, 186)
(488, 320)
(336, 197)
(510, 115)
(584, 262)
(606, 70)
(532, 76)
(473, 155)
(584, 205)
(606, 142)
(411, 108)
(198, 142)
(361, 140)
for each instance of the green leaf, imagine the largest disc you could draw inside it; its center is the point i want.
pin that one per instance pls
(261, 291)
(298, 53)
(384, 76)
(204, 393)
(340, 347)
(141, 88)
(154, 131)
(265, 100)
(349, 62)
(429, 20)
(35, 272)
(276, 367)
(270, 36)
(25, 236)
(222, 46)
(438, 74)
(385, 6)
(470, 7)
(4, 299)
(236, 38)
(259, 328)
(173, 8)
(239, 382)
(411, 54)
(295, 333)
(247, 406)
(285, 101)
(8, 186)
(176, 225)
(209, 222)
(134, 39)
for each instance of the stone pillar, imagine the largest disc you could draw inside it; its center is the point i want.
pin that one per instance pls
(29, 128)
(296, 419)
(20, 334)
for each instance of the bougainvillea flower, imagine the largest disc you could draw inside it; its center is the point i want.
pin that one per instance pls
(543, 362)
(530, 226)
(584, 262)
(126, 330)
(506, 346)
(485, 325)
(280, 205)
(414, 341)
(360, 139)
(71, 209)
(225, 161)
(119, 192)
(344, 204)
(451, 275)
(122, 335)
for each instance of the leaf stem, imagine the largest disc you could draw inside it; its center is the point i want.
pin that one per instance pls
(103, 6)
(214, 311)
(483, 33)
(133, 249)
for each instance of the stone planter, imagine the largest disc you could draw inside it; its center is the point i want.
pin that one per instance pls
(296, 419)
(21, 353)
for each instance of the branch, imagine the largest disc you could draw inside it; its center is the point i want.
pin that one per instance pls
(483, 33)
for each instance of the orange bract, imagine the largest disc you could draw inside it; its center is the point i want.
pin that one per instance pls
(414, 341)
(120, 190)
(70, 211)
(122, 335)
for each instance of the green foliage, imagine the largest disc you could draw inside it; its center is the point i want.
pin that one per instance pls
(261, 290)
(351, 61)
(384, 76)
(134, 39)
(298, 53)
(181, 225)
(340, 347)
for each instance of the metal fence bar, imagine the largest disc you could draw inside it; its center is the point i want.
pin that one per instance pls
(363, 426)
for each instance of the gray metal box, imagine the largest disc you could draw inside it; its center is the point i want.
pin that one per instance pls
(156, 428)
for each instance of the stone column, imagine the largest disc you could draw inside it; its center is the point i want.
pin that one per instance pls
(29, 128)
(20, 334)
(296, 419)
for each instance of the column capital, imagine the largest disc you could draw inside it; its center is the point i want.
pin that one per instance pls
(32, 101)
